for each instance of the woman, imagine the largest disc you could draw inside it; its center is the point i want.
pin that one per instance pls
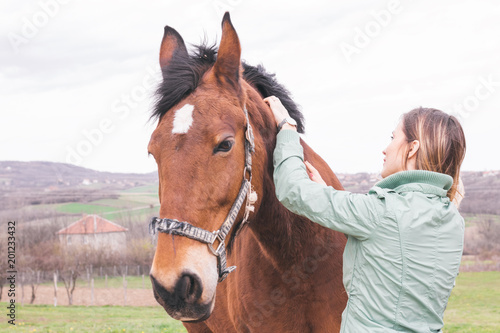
(405, 237)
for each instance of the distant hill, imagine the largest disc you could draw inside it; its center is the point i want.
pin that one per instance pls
(482, 192)
(45, 174)
(28, 183)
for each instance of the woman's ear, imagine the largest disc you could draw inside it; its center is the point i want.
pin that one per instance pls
(414, 146)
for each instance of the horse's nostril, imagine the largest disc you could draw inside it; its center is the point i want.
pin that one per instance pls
(185, 287)
(188, 288)
(183, 300)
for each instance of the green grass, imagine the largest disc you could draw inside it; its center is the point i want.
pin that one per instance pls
(112, 208)
(125, 205)
(466, 263)
(153, 188)
(473, 219)
(78, 208)
(46, 318)
(139, 214)
(141, 198)
(474, 304)
(122, 203)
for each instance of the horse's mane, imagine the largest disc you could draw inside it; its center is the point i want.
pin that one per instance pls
(184, 73)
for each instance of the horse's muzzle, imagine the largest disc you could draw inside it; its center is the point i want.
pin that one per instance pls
(182, 303)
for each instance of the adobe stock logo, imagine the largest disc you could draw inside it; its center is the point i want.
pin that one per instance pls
(371, 30)
(222, 6)
(484, 89)
(120, 108)
(31, 27)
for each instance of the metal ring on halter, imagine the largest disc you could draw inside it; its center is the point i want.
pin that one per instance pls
(247, 172)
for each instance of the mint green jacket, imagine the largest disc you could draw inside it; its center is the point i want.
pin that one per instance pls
(405, 241)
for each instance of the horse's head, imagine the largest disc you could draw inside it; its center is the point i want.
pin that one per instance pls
(201, 148)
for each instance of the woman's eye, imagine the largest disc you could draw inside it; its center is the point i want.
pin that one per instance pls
(224, 146)
(392, 137)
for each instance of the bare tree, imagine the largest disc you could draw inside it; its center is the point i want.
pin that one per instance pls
(42, 257)
(69, 266)
(34, 282)
(490, 232)
(69, 278)
(140, 252)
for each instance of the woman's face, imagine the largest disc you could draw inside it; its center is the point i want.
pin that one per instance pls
(393, 161)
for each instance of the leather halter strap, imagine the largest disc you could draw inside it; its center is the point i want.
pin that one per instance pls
(174, 227)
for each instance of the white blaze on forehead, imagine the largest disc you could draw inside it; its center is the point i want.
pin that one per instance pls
(183, 119)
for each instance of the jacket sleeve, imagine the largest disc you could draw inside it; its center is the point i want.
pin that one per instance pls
(353, 214)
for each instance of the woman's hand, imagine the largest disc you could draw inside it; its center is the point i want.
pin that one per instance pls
(314, 174)
(278, 109)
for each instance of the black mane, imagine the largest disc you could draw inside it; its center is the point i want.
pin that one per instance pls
(183, 75)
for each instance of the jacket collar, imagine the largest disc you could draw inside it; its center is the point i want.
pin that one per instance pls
(418, 180)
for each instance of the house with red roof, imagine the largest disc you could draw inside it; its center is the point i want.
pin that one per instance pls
(94, 231)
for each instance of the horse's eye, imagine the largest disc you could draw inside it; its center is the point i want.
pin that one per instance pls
(224, 146)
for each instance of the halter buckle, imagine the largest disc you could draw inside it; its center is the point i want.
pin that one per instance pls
(221, 243)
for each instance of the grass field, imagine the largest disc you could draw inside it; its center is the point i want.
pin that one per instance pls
(474, 304)
(43, 318)
(122, 203)
(474, 307)
(153, 188)
(137, 214)
(473, 219)
(139, 203)
(78, 208)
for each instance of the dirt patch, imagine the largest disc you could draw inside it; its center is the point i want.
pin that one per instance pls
(82, 296)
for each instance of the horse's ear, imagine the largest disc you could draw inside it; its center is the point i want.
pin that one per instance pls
(227, 65)
(171, 44)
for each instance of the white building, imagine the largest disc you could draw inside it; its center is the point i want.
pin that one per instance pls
(95, 231)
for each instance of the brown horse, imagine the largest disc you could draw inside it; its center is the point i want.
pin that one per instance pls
(289, 270)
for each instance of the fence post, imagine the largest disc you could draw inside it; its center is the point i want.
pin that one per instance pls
(92, 291)
(106, 280)
(124, 291)
(22, 289)
(88, 275)
(55, 288)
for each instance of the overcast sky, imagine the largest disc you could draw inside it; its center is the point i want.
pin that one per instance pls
(77, 77)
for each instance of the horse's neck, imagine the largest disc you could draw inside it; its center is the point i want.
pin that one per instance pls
(289, 238)
(285, 237)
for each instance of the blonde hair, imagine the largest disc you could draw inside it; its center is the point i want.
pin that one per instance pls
(442, 142)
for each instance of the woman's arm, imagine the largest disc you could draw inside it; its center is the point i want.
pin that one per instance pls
(352, 214)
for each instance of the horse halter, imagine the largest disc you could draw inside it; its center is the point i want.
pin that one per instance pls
(174, 227)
